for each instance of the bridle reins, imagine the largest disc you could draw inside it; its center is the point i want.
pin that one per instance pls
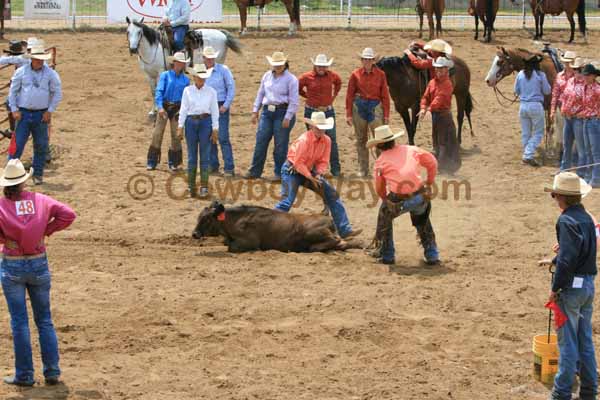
(500, 76)
(138, 47)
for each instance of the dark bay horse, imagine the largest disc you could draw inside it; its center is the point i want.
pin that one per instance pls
(556, 7)
(431, 7)
(407, 86)
(485, 10)
(292, 7)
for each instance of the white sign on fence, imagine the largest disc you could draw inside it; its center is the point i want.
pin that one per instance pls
(46, 9)
(202, 10)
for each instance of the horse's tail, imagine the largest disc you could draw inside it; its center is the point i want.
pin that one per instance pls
(232, 42)
(296, 11)
(581, 16)
(468, 109)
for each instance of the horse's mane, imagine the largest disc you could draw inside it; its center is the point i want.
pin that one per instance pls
(150, 34)
(392, 62)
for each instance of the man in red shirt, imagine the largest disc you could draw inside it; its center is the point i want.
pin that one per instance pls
(399, 184)
(434, 49)
(320, 87)
(367, 104)
(437, 102)
(307, 161)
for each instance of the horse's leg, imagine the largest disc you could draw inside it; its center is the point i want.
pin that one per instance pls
(572, 23)
(414, 120)
(153, 110)
(290, 10)
(460, 115)
(243, 18)
(430, 21)
(542, 25)
(438, 23)
(420, 12)
(477, 27)
(407, 124)
(536, 18)
(259, 11)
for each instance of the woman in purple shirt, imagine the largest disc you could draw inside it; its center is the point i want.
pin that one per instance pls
(279, 97)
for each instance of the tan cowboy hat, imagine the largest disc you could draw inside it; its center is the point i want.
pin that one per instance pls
(368, 53)
(178, 57)
(321, 61)
(568, 57)
(210, 52)
(31, 41)
(438, 45)
(277, 59)
(383, 134)
(569, 184)
(200, 71)
(14, 173)
(443, 62)
(318, 119)
(38, 53)
(578, 63)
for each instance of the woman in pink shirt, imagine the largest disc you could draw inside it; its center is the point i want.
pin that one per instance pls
(25, 219)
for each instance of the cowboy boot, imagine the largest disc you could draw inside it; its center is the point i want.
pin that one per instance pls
(153, 157)
(204, 182)
(174, 159)
(192, 182)
(427, 237)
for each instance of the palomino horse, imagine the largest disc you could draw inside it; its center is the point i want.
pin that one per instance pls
(152, 49)
(292, 7)
(485, 10)
(407, 86)
(431, 7)
(555, 7)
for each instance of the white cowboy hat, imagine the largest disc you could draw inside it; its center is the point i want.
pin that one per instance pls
(209, 52)
(200, 71)
(14, 173)
(318, 119)
(578, 63)
(438, 45)
(443, 62)
(277, 59)
(383, 134)
(178, 57)
(568, 57)
(31, 41)
(569, 184)
(321, 61)
(368, 53)
(38, 52)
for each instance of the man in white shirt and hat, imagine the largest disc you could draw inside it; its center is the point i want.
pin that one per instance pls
(177, 16)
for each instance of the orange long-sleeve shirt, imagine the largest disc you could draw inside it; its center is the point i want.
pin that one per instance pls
(421, 63)
(308, 152)
(438, 95)
(319, 91)
(370, 86)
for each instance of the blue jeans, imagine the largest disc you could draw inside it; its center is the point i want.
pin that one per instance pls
(225, 144)
(269, 127)
(592, 145)
(334, 157)
(575, 343)
(33, 277)
(573, 133)
(532, 117)
(31, 123)
(197, 138)
(178, 36)
(291, 181)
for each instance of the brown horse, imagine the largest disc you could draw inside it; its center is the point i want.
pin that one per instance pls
(407, 86)
(485, 10)
(431, 7)
(555, 7)
(292, 7)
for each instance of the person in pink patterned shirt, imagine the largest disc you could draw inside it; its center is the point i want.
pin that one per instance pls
(591, 118)
(559, 86)
(571, 101)
(25, 219)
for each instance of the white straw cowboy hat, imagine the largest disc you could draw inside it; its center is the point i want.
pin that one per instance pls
(14, 173)
(209, 52)
(38, 53)
(443, 62)
(368, 53)
(277, 59)
(438, 45)
(200, 71)
(321, 61)
(569, 184)
(578, 63)
(568, 57)
(178, 57)
(32, 41)
(383, 134)
(318, 119)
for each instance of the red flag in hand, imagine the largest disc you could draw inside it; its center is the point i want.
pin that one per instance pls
(12, 146)
(559, 317)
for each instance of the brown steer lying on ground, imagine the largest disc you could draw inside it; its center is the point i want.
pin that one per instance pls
(247, 228)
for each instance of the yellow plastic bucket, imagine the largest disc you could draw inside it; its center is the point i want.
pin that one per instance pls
(545, 358)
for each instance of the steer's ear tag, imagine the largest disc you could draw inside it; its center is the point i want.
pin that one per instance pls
(221, 217)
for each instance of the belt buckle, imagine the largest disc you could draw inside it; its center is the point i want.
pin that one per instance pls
(272, 107)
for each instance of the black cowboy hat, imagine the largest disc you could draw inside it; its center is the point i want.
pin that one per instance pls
(534, 58)
(16, 47)
(589, 69)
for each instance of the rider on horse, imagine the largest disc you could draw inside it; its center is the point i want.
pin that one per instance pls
(177, 16)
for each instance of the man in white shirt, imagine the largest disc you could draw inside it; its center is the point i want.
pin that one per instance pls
(177, 16)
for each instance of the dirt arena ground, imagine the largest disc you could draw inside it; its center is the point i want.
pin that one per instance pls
(145, 312)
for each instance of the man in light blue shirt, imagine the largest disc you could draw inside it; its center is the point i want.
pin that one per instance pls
(222, 81)
(177, 16)
(531, 86)
(35, 92)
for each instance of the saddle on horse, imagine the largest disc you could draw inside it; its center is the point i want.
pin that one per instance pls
(167, 37)
(554, 56)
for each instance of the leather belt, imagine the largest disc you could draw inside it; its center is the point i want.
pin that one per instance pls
(321, 108)
(24, 257)
(171, 103)
(278, 106)
(199, 116)
(30, 110)
(397, 197)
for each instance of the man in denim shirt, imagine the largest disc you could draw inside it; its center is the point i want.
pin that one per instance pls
(573, 287)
